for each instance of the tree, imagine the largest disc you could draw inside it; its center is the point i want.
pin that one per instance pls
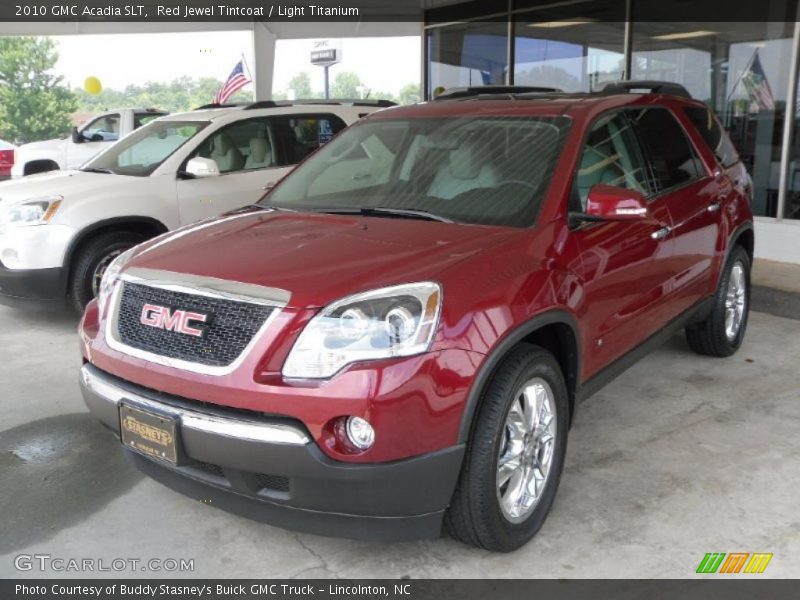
(409, 94)
(34, 105)
(300, 84)
(346, 85)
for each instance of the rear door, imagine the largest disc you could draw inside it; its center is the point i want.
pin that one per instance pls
(625, 263)
(691, 194)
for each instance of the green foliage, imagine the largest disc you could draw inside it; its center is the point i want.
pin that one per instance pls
(34, 105)
(409, 94)
(179, 95)
(300, 84)
(346, 85)
(186, 93)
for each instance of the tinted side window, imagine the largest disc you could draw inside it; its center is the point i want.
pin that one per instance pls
(713, 134)
(303, 134)
(611, 157)
(672, 159)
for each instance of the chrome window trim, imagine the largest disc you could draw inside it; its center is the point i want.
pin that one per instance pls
(242, 429)
(199, 286)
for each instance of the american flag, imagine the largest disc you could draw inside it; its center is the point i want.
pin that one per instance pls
(236, 81)
(757, 86)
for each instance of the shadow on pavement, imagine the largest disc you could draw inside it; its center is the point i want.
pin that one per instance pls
(54, 473)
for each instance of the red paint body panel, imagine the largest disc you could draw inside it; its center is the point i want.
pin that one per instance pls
(619, 283)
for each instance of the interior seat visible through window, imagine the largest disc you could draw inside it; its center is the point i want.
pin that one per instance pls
(226, 154)
(468, 167)
(260, 154)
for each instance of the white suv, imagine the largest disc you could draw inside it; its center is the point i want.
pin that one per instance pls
(60, 230)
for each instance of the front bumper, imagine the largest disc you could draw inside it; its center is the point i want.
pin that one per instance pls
(24, 286)
(269, 469)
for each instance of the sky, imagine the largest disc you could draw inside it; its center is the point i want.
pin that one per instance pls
(384, 64)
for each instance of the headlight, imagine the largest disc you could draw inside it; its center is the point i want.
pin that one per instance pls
(38, 211)
(394, 321)
(110, 277)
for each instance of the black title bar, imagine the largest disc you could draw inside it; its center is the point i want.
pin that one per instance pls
(399, 589)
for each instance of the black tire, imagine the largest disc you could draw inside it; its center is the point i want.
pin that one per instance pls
(709, 337)
(93, 254)
(475, 516)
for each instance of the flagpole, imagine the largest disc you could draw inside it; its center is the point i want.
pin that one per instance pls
(249, 76)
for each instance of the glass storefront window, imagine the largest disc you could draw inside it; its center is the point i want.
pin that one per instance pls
(573, 55)
(466, 54)
(739, 70)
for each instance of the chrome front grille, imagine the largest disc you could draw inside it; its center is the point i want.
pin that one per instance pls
(193, 327)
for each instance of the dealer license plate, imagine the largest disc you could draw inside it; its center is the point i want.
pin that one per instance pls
(148, 433)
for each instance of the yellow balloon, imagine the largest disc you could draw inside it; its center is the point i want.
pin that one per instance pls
(92, 86)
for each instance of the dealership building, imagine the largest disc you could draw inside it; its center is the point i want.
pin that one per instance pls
(746, 71)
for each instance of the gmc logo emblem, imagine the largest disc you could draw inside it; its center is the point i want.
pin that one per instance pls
(176, 320)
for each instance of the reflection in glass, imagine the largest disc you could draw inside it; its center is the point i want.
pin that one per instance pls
(739, 69)
(467, 54)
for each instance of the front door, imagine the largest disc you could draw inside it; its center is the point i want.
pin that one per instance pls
(248, 158)
(98, 135)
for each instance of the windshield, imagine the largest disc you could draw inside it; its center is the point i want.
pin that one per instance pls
(143, 151)
(483, 170)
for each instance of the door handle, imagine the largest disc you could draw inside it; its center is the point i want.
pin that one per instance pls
(713, 207)
(660, 234)
(269, 186)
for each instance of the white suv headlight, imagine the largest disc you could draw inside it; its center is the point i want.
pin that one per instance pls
(110, 278)
(37, 211)
(393, 321)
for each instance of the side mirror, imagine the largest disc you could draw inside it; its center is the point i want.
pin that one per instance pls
(77, 138)
(201, 167)
(610, 203)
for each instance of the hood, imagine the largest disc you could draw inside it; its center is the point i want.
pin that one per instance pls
(317, 258)
(62, 183)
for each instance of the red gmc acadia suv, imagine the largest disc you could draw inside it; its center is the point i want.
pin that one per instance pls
(394, 341)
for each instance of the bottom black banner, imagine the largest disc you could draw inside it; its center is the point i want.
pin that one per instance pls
(400, 589)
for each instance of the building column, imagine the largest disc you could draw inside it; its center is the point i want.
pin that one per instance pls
(264, 60)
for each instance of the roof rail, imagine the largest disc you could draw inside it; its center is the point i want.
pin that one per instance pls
(218, 105)
(478, 90)
(653, 87)
(349, 101)
(324, 101)
(261, 104)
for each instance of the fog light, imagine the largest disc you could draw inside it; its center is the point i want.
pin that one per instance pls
(9, 257)
(360, 433)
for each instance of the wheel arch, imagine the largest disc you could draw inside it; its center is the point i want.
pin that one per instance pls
(744, 236)
(39, 162)
(555, 331)
(138, 224)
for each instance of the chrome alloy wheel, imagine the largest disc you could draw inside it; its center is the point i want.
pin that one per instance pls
(101, 267)
(526, 450)
(735, 301)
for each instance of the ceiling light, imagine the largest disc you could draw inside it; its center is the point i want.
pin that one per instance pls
(685, 35)
(557, 24)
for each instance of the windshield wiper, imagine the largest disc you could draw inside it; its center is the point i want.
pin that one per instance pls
(97, 170)
(382, 211)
